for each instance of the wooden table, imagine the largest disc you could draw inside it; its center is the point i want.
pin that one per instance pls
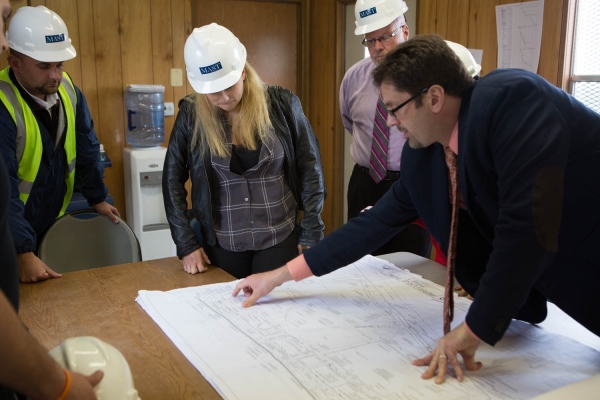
(101, 303)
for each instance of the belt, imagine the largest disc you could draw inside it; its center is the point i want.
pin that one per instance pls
(389, 176)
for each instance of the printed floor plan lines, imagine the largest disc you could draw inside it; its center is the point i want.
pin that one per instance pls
(352, 334)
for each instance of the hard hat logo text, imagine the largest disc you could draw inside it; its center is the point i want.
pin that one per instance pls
(370, 11)
(55, 38)
(211, 68)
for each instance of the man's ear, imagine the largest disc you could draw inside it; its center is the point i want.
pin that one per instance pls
(405, 32)
(436, 98)
(13, 62)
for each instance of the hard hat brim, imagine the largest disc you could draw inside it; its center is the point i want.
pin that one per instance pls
(225, 82)
(48, 56)
(382, 23)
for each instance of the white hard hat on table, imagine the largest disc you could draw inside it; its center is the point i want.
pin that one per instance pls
(214, 58)
(41, 34)
(376, 14)
(86, 355)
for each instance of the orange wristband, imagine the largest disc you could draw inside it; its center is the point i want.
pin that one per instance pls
(67, 388)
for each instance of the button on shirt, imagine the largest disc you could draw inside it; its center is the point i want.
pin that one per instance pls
(255, 210)
(358, 101)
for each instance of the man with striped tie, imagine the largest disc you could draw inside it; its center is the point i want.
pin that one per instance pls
(505, 173)
(376, 148)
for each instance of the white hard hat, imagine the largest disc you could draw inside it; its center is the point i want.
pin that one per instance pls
(214, 58)
(466, 57)
(41, 34)
(376, 14)
(87, 354)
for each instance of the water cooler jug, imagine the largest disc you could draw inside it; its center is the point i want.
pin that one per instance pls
(143, 166)
(145, 109)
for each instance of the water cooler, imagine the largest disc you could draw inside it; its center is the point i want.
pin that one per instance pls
(143, 166)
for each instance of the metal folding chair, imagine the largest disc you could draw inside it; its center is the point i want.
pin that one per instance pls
(84, 239)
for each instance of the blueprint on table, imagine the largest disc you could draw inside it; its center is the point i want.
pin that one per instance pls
(352, 334)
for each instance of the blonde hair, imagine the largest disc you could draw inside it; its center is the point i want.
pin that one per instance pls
(251, 121)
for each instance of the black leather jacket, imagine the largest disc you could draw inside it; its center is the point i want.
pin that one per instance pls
(302, 169)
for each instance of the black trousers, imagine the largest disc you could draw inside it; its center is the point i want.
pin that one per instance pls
(244, 263)
(364, 192)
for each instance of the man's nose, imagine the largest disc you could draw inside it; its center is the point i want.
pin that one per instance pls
(55, 73)
(378, 45)
(391, 120)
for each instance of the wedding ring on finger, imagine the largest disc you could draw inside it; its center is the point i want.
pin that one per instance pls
(443, 356)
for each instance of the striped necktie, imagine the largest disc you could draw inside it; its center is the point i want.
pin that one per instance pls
(379, 144)
(451, 162)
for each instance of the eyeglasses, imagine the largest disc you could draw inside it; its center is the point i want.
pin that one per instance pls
(384, 39)
(393, 110)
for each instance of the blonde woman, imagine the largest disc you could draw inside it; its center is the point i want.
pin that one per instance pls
(253, 160)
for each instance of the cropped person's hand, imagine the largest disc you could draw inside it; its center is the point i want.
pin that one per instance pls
(457, 341)
(301, 248)
(82, 387)
(259, 285)
(32, 269)
(462, 292)
(106, 209)
(195, 262)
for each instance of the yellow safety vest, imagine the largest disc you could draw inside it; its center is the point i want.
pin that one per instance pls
(29, 140)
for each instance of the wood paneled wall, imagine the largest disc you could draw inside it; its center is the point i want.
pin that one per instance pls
(472, 23)
(120, 42)
(268, 30)
(325, 59)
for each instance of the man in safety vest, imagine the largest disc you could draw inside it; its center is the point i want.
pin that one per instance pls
(47, 135)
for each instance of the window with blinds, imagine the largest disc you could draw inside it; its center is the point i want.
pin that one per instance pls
(585, 70)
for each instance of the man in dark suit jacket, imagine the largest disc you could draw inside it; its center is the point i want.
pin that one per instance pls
(529, 179)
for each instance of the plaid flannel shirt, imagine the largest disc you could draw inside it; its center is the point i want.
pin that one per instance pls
(255, 210)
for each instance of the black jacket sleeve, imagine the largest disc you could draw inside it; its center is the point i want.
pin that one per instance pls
(309, 170)
(175, 175)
